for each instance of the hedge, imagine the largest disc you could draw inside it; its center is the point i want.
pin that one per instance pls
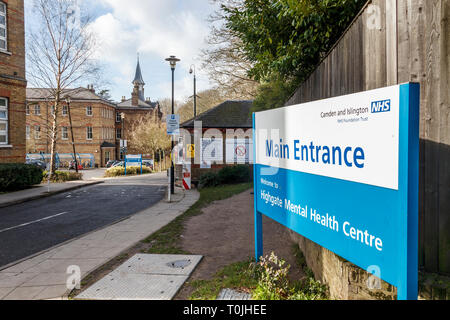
(132, 170)
(62, 176)
(226, 175)
(17, 176)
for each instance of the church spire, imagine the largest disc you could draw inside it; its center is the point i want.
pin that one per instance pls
(138, 82)
(138, 75)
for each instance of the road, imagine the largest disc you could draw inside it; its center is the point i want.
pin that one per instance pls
(31, 227)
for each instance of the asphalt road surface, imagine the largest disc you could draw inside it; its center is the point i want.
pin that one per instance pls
(31, 227)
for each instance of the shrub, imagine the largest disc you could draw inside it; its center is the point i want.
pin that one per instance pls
(227, 175)
(120, 171)
(234, 174)
(62, 176)
(209, 179)
(18, 176)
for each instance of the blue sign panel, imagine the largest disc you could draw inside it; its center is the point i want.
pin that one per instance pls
(343, 172)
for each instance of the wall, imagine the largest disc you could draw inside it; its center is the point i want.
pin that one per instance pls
(392, 42)
(13, 83)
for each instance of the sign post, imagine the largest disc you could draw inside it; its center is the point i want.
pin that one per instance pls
(343, 172)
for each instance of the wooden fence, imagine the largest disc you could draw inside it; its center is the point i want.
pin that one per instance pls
(392, 42)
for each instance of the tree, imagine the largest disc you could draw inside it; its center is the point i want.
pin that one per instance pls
(206, 100)
(60, 54)
(224, 60)
(284, 40)
(149, 136)
(289, 37)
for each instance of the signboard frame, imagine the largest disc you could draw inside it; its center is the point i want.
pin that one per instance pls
(404, 272)
(133, 158)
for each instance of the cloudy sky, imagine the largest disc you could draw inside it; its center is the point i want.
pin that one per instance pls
(154, 28)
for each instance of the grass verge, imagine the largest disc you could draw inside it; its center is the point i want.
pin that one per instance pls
(267, 280)
(167, 239)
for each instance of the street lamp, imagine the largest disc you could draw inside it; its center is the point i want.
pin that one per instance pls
(192, 70)
(68, 100)
(173, 63)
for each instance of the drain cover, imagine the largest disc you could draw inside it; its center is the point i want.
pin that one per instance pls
(180, 264)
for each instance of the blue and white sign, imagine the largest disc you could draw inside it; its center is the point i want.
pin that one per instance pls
(343, 172)
(133, 160)
(173, 124)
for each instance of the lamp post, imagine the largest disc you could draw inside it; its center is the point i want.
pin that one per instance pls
(68, 100)
(173, 62)
(192, 70)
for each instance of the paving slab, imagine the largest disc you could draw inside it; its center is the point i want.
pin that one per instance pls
(230, 294)
(144, 277)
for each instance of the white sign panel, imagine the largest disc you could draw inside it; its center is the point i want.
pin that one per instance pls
(239, 151)
(173, 124)
(333, 137)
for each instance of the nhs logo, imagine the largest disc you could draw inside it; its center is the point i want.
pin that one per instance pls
(381, 106)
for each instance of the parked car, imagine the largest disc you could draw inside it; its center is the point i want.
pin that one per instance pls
(148, 163)
(37, 163)
(111, 163)
(118, 164)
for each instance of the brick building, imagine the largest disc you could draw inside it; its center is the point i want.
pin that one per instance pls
(130, 111)
(93, 123)
(98, 124)
(12, 82)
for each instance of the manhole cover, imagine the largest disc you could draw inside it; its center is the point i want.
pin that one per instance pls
(180, 264)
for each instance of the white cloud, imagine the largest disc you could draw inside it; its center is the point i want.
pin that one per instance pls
(155, 29)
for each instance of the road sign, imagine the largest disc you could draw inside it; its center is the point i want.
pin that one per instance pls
(173, 124)
(133, 160)
(343, 172)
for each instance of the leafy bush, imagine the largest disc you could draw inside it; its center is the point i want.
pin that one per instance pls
(120, 171)
(62, 176)
(227, 175)
(209, 179)
(273, 283)
(234, 174)
(18, 176)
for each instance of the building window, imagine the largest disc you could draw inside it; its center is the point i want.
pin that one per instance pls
(3, 121)
(89, 135)
(28, 130)
(118, 117)
(27, 110)
(89, 111)
(118, 133)
(37, 132)
(64, 133)
(65, 110)
(3, 28)
(52, 108)
(37, 110)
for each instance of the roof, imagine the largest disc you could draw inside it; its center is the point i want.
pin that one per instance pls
(230, 114)
(76, 94)
(141, 104)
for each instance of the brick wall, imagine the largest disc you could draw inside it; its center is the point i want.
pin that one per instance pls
(102, 122)
(13, 83)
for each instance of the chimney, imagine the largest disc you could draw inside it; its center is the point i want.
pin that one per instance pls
(123, 98)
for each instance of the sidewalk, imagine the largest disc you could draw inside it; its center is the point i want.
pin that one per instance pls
(44, 276)
(42, 191)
